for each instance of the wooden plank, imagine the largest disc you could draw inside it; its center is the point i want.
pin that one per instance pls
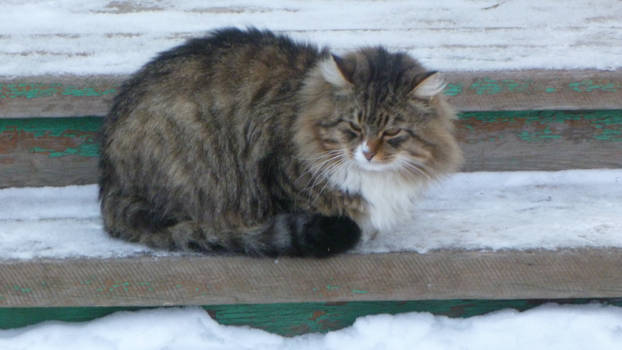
(535, 90)
(54, 96)
(64, 151)
(201, 280)
(543, 140)
(291, 319)
(57, 96)
(40, 152)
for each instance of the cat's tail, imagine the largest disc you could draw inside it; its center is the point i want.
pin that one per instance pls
(283, 235)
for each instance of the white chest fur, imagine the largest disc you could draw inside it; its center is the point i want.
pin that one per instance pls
(390, 198)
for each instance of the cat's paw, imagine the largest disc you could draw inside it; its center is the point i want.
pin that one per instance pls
(329, 235)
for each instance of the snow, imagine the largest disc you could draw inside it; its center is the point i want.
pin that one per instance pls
(492, 211)
(117, 37)
(477, 211)
(56, 222)
(515, 210)
(549, 327)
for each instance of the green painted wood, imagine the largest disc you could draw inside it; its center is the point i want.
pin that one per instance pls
(535, 90)
(57, 96)
(56, 137)
(291, 319)
(54, 96)
(542, 126)
(64, 151)
(28, 90)
(77, 136)
(541, 140)
(48, 151)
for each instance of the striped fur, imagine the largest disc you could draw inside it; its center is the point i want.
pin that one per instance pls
(222, 144)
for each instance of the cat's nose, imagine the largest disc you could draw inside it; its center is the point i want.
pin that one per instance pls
(370, 148)
(369, 155)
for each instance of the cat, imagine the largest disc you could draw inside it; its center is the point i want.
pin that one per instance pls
(245, 141)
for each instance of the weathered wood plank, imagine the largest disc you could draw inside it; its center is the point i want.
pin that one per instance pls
(64, 151)
(54, 96)
(39, 152)
(201, 280)
(291, 319)
(62, 96)
(535, 90)
(544, 140)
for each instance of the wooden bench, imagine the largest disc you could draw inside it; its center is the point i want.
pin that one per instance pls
(517, 120)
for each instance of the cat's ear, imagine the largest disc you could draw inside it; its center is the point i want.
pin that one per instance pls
(335, 71)
(428, 85)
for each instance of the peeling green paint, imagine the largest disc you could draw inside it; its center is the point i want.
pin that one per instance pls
(38, 90)
(84, 150)
(589, 86)
(544, 126)
(357, 291)
(490, 86)
(482, 86)
(146, 285)
(60, 137)
(38, 127)
(22, 289)
(486, 86)
(80, 132)
(610, 135)
(453, 89)
(547, 134)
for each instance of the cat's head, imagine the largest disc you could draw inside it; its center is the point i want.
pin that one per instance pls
(375, 111)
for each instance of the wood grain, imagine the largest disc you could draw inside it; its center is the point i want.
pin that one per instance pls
(62, 96)
(64, 151)
(201, 280)
(40, 152)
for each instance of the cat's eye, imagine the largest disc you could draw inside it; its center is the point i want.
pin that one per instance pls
(357, 129)
(391, 132)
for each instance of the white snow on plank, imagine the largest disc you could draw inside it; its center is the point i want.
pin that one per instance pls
(95, 37)
(549, 327)
(504, 210)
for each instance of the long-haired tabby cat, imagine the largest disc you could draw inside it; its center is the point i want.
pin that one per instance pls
(246, 141)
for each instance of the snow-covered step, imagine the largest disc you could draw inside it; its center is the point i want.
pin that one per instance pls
(117, 37)
(513, 235)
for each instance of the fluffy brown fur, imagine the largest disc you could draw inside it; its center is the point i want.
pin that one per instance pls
(245, 141)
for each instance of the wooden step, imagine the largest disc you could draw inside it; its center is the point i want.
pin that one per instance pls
(203, 280)
(64, 96)
(64, 151)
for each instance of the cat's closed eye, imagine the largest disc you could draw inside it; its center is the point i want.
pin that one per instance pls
(391, 132)
(357, 129)
(352, 131)
(396, 141)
